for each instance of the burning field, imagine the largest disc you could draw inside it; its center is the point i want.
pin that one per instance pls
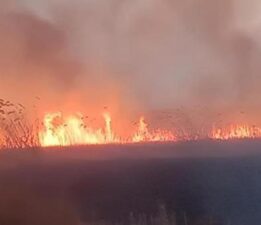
(157, 102)
(58, 129)
(126, 79)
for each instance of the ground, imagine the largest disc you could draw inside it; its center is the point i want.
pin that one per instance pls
(205, 182)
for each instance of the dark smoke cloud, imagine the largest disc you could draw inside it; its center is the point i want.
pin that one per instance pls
(163, 54)
(34, 59)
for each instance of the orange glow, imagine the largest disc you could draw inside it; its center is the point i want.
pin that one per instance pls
(144, 135)
(59, 130)
(236, 132)
(72, 130)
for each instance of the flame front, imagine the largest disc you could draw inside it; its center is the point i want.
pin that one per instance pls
(72, 130)
(60, 131)
(17, 131)
(236, 132)
(144, 135)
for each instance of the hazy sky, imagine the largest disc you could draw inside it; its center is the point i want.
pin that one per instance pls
(158, 53)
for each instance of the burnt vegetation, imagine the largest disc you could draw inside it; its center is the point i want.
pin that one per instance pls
(74, 188)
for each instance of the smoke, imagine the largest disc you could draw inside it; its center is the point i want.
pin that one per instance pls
(33, 57)
(153, 53)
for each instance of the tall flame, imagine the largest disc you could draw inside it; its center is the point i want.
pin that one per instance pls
(72, 130)
(65, 131)
(57, 129)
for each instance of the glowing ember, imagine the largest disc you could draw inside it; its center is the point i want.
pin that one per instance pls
(236, 132)
(60, 131)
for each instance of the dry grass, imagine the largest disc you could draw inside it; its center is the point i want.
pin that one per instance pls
(16, 132)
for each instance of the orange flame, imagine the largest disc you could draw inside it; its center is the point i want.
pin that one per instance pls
(72, 130)
(236, 132)
(144, 135)
(60, 131)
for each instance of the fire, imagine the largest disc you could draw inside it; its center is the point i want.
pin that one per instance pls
(236, 132)
(144, 135)
(72, 130)
(59, 130)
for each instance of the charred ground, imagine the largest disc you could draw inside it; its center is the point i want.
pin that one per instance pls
(206, 181)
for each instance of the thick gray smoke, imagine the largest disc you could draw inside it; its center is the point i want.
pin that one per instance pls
(159, 53)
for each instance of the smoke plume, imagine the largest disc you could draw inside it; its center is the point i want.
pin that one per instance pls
(152, 54)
